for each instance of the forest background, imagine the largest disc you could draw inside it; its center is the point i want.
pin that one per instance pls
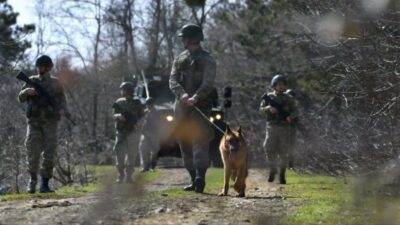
(341, 58)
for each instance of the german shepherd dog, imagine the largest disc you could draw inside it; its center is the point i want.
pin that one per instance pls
(234, 156)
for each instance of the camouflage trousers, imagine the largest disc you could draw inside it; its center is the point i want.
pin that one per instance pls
(41, 140)
(149, 146)
(277, 144)
(195, 136)
(125, 151)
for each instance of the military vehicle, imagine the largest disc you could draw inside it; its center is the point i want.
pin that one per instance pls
(158, 89)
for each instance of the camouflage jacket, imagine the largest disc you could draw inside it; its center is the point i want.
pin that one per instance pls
(131, 109)
(283, 99)
(38, 107)
(194, 74)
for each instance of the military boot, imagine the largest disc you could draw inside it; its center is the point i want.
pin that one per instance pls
(31, 189)
(282, 179)
(200, 180)
(121, 175)
(190, 187)
(44, 186)
(272, 173)
(129, 172)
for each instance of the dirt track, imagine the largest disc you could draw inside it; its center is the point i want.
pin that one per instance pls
(123, 204)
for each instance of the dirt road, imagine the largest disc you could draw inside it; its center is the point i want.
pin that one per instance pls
(142, 204)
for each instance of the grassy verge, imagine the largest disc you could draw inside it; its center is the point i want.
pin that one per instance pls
(329, 200)
(319, 200)
(100, 172)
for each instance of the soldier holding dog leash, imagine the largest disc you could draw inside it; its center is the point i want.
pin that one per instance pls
(192, 80)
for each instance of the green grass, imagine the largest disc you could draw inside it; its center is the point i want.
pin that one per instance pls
(63, 192)
(101, 173)
(150, 176)
(329, 200)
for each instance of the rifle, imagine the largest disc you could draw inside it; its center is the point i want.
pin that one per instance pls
(282, 113)
(130, 118)
(43, 94)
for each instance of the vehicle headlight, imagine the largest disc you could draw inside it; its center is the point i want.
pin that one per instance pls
(169, 118)
(212, 119)
(218, 116)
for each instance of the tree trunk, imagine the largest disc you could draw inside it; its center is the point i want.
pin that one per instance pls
(154, 37)
(96, 67)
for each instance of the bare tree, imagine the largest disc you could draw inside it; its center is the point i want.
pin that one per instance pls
(154, 35)
(121, 13)
(201, 8)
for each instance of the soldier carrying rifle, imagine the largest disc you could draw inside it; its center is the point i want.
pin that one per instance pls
(46, 103)
(127, 112)
(280, 109)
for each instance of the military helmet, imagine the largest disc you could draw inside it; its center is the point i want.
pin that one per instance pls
(276, 79)
(127, 86)
(192, 31)
(44, 60)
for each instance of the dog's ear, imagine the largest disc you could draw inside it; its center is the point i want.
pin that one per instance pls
(239, 130)
(228, 130)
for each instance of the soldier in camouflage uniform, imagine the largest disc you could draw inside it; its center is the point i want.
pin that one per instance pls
(278, 134)
(43, 118)
(192, 80)
(127, 112)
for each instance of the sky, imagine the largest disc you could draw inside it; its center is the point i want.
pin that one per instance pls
(28, 15)
(26, 8)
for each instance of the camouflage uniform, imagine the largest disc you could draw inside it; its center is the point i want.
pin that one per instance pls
(149, 144)
(126, 139)
(41, 136)
(194, 74)
(279, 132)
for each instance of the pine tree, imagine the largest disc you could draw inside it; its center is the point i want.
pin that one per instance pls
(12, 37)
